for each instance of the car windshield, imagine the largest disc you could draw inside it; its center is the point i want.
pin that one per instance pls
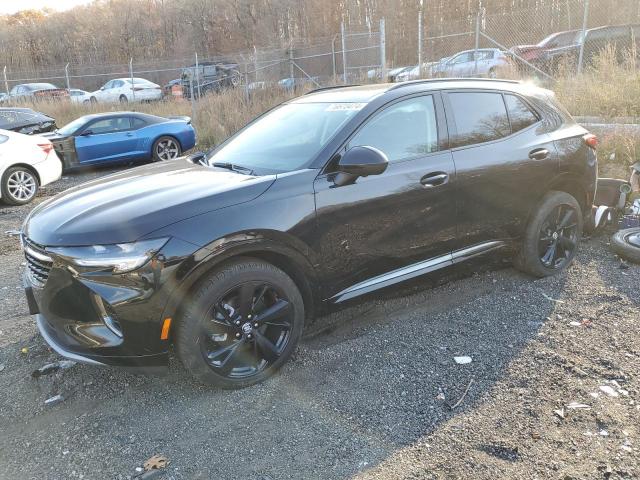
(562, 39)
(71, 128)
(285, 139)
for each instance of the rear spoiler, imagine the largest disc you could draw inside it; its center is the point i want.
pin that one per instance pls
(184, 118)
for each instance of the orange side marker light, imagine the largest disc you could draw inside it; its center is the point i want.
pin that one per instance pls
(165, 329)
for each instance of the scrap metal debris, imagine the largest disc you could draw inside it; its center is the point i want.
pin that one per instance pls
(50, 368)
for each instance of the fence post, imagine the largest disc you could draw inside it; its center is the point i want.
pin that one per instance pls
(133, 90)
(66, 75)
(344, 53)
(584, 28)
(477, 46)
(291, 71)
(333, 56)
(383, 52)
(6, 83)
(255, 63)
(420, 43)
(198, 76)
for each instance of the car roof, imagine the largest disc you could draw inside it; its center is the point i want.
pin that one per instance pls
(94, 116)
(367, 93)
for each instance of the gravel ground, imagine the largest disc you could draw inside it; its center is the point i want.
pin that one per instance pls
(372, 393)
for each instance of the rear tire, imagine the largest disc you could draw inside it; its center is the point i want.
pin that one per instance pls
(216, 337)
(621, 244)
(19, 186)
(93, 100)
(552, 236)
(166, 148)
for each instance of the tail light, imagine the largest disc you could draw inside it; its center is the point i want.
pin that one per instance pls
(591, 140)
(46, 147)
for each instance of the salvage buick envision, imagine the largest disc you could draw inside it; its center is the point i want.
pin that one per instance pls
(325, 198)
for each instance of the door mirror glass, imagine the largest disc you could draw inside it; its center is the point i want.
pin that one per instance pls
(362, 161)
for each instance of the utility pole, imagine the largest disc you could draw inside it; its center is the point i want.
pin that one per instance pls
(66, 74)
(420, 43)
(6, 83)
(133, 90)
(475, 53)
(383, 51)
(344, 53)
(585, 18)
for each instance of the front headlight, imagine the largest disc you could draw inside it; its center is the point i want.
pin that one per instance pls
(120, 258)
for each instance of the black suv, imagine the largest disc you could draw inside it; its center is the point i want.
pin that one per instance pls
(325, 198)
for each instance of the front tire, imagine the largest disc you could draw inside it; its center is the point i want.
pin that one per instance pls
(93, 100)
(552, 235)
(19, 186)
(166, 148)
(124, 99)
(241, 324)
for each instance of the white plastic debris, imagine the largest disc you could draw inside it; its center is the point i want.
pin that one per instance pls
(462, 360)
(575, 324)
(54, 400)
(603, 433)
(578, 406)
(609, 391)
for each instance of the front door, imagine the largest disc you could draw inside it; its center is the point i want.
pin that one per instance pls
(106, 140)
(401, 218)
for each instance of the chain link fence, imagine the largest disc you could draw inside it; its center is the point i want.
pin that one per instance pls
(345, 57)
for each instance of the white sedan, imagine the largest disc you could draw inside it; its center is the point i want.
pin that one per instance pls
(79, 96)
(126, 90)
(27, 162)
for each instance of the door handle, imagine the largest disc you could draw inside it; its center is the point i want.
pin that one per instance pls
(539, 154)
(431, 180)
(129, 134)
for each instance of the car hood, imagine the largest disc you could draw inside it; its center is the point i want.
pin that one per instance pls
(125, 206)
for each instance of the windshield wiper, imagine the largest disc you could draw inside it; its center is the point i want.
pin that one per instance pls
(233, 167)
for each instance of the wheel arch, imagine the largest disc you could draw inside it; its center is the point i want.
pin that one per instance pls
(568, 183)
(23, 165)
(158, 136)
(286, 258)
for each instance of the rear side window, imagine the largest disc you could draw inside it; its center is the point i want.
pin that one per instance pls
(137, 123)
(404, 130)
(520, 114)
(479, 117)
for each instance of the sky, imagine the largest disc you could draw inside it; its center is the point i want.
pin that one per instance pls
(13, 6)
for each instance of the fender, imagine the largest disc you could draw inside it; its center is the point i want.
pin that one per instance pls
(284, 251)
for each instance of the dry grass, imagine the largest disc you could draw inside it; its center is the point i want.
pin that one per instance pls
(607, 89)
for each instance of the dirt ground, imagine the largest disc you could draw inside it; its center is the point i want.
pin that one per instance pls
(373, 392)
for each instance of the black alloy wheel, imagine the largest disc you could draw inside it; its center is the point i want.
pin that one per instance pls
(552, 235)
(247, 330)
(240, 325)
(558, 237)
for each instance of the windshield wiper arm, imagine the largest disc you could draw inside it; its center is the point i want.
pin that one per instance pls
(233, 167)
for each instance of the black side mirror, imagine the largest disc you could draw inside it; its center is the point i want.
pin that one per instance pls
(360, 162)
(199, 158)
(86, 133)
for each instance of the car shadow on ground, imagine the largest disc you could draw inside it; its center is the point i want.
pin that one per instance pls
(366, 381)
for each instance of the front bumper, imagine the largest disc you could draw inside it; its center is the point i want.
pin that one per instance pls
(104, 319)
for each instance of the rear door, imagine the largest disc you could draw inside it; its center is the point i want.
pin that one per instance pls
(402, 217)
(106, 140)
(504, 163)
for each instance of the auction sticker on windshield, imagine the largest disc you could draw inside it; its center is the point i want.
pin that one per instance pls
(338, 107)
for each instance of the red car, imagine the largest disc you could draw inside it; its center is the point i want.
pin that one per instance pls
(533, 53)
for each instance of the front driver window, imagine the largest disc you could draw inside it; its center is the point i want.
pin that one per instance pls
(109, 125)
(404, 130)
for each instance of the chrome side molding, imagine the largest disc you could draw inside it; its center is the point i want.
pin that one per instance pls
(415, 270)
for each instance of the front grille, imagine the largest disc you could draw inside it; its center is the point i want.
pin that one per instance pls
(38, 262)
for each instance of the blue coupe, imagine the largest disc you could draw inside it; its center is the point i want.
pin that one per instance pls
(121, 137)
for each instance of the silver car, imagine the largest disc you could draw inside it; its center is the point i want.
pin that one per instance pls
(484, 62)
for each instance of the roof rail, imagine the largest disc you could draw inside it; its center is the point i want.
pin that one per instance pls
(436, 80)
(330, 88)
